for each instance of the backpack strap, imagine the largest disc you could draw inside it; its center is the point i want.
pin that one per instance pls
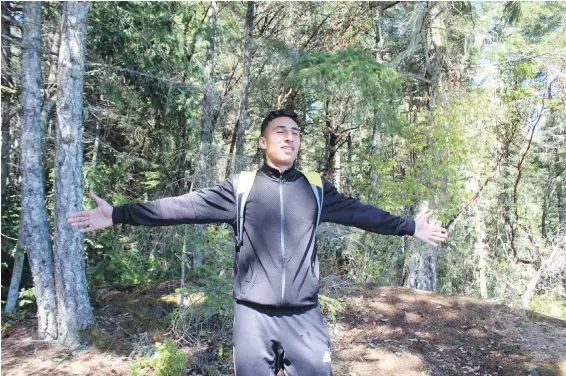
(315, 180)
(243, 183)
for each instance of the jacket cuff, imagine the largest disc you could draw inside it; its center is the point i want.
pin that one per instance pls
(117, 215)
(410, 227)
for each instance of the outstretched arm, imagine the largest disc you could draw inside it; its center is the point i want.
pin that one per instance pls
(341, 209)
(212, 205)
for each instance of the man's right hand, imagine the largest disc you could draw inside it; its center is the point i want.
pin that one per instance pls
(94, 219)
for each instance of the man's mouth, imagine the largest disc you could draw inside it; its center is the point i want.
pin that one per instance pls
(288, 148)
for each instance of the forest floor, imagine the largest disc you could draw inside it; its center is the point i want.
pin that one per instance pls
(380, 331)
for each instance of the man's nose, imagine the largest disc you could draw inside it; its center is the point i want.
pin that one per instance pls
(289, 136)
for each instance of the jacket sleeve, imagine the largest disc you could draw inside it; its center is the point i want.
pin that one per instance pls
(211, 205)
(344, 210)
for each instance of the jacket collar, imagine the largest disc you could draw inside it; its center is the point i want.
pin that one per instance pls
(288, 174)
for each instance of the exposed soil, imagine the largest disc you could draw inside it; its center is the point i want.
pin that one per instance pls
(401, 331)
(381, 331)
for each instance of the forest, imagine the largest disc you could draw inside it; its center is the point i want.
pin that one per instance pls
(455, 107)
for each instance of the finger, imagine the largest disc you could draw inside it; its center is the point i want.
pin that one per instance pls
(432, 243)
(438, 233)
(77, 219)
(439, 229)
(80, 223)
(428, 215)
(96, 199)
(438, 238)
(78, 214)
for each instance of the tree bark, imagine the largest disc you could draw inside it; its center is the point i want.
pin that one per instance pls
(559, 168)
(34, 232)
(75, 312)
(348, 175)
(7, 105)
(481, 253)
(14, 289)
(534, 280)
(374, 151)
(379, 40)
(423, 274)
(241, 133)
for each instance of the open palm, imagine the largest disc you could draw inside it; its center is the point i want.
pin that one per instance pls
(428, 233)
(93, 219)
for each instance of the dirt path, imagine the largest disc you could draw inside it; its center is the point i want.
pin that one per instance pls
(383, 331)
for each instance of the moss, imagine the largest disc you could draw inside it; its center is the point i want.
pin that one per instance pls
(139, 312)
(105, 342)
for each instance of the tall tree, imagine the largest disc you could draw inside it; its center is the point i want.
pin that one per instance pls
(423, 268)
(241, 131)
(34, 233)
(8, 110)
(74, 310)
(205, 167)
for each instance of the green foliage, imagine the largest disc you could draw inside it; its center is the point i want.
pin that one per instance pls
(216, 287)
(168, 360)
(330, 307)
(549, 304)
(26, 297)
(340, 73)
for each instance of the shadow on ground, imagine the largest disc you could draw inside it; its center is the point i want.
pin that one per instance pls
(401, 331)
(382, 331)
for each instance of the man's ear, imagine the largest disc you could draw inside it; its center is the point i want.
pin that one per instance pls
(262, 143)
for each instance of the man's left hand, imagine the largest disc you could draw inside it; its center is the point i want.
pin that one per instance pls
(430, 234)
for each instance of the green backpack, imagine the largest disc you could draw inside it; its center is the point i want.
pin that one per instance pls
(243, 183)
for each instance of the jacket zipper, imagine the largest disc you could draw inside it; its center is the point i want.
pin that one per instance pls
(282, 240)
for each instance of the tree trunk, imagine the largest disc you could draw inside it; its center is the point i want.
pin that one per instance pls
(560, 189)
(424, 277)
(379, 40)
(6, 145)
(332, 139)
(374, 151)
(481, 253)
(348, 174)
(232, 148)
(183, 268)
(206, 160)
(75, 312)
(240, 137)
(34, 232)
(7, 105)
(534, 280)
(17, 269)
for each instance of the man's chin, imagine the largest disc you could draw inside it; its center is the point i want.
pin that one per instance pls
(286, 160)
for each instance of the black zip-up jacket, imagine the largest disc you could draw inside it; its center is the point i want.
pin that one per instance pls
(277, 263)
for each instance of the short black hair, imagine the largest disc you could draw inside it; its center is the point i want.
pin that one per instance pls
(277, 114)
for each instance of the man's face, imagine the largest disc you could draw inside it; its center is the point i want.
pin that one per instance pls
(281, 141)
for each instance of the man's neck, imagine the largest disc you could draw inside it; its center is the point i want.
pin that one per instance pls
(281, 168)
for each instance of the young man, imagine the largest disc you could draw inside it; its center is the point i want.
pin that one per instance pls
(277, 279)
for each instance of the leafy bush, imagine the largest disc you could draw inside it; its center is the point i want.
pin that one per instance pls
(168, 360)
(330, 306)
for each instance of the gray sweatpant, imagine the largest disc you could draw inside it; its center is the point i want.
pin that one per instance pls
(260, 331)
